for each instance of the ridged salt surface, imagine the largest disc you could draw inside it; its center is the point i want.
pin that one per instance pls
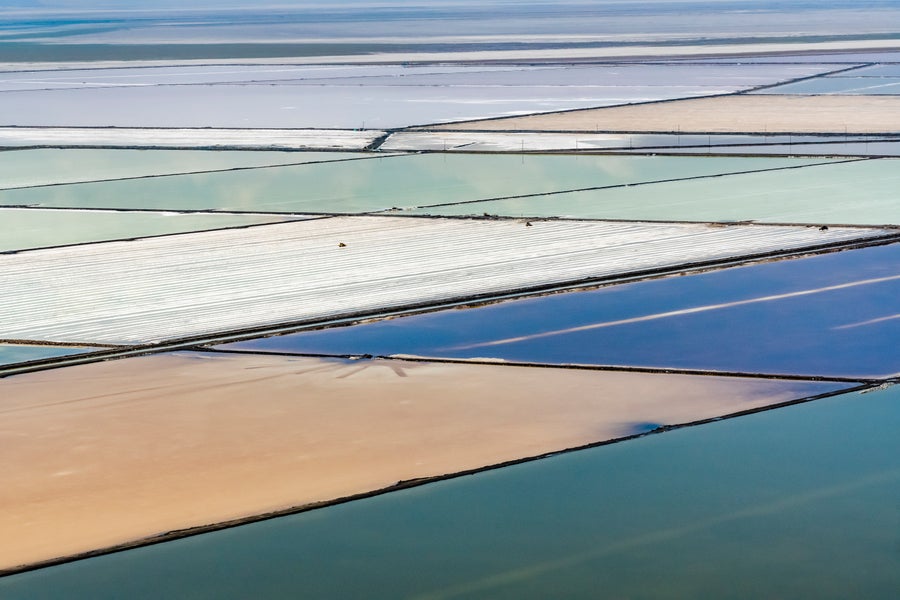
(187, 137)
(760, 144)
(165, 288)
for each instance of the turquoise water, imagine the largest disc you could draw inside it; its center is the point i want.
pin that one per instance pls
(836, 314)
(800, 502)
(379, 184)
(16, 353)
(860, 192)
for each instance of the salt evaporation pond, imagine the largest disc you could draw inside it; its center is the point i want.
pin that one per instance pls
(801, 499)
(862, 148)
(857, 192)
(11, 354)
(393, 181)
(217, 96)
(319, 429)
(866, 86)
(30, 228)
(834, 314)
(22, 168)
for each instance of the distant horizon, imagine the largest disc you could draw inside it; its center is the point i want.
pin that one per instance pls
(59, 30)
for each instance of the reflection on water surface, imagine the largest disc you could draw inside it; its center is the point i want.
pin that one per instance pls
(822, 315)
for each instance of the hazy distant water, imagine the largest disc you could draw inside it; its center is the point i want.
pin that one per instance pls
(67, 30)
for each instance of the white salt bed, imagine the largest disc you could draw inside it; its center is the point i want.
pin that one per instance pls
(353, 96)
(197, 284)
(453, 141)
(125, 137)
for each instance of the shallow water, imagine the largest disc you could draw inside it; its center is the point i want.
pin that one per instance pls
(20, 168)
(16, 353)
(30, 228)
(840, 85)
(797, 502)
(835, 314)
(859, 192)
(371, 185)
(879, 70)
(863, 148)
(318, 429)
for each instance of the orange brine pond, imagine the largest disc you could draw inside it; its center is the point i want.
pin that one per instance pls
(139, 447)
(803, 498)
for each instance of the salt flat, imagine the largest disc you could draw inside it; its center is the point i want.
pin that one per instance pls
(202, 283)
(188, 138)
(640, 143)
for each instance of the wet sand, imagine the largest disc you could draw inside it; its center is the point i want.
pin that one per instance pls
(109, 453)
(725, 114)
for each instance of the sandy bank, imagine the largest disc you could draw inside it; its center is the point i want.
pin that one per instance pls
(725, 114)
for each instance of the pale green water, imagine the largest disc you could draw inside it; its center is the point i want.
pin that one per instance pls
(799, 502)
(862, 192)
(28, 228)
(15, 353)
(379, 184)
(19, 168)
(850, 149)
